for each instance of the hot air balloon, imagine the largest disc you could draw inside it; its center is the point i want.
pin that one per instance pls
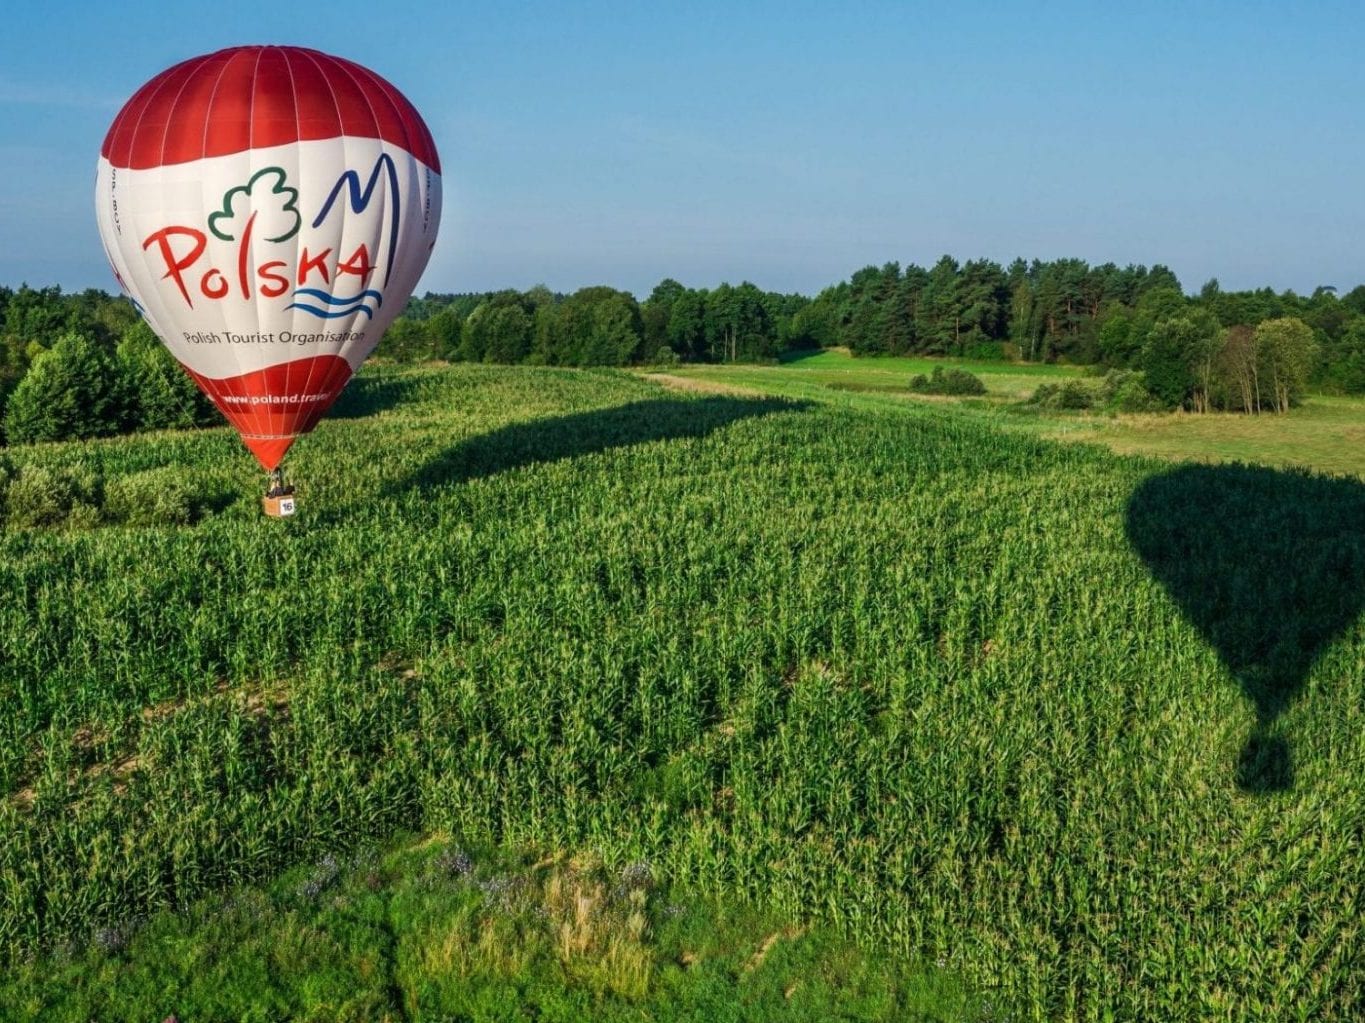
(269, 210)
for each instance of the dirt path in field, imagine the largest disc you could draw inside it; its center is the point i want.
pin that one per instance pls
(696, 386)
(262, 703)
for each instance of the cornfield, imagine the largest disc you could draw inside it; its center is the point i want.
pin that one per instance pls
(974, 698)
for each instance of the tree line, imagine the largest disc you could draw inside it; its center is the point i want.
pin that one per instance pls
(1248, 351)
(83, 364)
(598, 326)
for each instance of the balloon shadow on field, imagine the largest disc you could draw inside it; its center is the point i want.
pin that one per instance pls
(367, 395)
(1269, 566)
(583, 433)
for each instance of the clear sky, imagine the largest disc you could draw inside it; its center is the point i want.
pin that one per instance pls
(779, 142)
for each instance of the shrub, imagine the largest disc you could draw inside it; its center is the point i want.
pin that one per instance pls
(1069, 396)
(153, 497)
(985, 351)
(1074, 395)
(43, 496)
(1125, 390)
(665, 357)
(78, 497)
(71, 392)
(952, 382)
(37, 497)
(83, 515)
(1121, 390)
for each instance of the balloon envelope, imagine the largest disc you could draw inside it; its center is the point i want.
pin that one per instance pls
(269, 209)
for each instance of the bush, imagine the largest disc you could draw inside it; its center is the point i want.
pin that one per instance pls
(154, 497)
(952, 382)
(985, 351)
(1074, 395)
(1121, 390)
(42, 496)
(1070, 396)
(1125, 390)
(78, 497)
(71, 392)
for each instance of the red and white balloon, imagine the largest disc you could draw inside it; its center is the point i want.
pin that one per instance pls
(269, 209)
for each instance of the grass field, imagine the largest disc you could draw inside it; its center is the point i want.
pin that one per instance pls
(433, 931)
(834, 372)
(1326, 433)
(1084, 731)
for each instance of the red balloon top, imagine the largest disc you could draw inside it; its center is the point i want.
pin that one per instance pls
(249, 97)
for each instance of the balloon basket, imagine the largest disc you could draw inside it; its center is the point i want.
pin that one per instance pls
(278, 502)
(280, 507)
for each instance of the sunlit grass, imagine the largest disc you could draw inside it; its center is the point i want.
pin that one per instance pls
(1325, 433)
(432, 931)
(837, 370)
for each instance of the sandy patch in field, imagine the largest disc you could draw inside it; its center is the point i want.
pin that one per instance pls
(696, 386)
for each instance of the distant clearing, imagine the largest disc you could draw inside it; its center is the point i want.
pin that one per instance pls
(1326, 433)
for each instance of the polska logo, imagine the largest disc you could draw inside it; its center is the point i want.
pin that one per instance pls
(264, 212)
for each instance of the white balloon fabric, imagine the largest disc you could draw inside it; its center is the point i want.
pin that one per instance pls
(269, 209)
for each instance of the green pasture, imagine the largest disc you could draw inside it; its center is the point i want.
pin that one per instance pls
(432, 931)
(836, 370)
(1326, 433)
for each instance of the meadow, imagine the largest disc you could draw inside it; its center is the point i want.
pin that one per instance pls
(1326, 433)
(1083, 730)
(833, 371)
(432, 930)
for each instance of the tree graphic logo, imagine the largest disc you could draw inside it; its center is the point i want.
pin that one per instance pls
(273, 208)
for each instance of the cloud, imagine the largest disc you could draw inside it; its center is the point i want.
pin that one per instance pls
(265, 196)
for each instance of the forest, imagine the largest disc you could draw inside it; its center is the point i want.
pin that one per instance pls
(83, 364)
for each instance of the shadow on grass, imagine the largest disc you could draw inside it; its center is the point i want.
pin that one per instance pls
(369, 394)
(582, 433)
(1270, 567)
(792, 355)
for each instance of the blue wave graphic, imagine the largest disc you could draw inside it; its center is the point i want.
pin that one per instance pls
(352, 303)
(338, 299)
(332, 314)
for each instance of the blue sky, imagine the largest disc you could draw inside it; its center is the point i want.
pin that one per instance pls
(779, 142)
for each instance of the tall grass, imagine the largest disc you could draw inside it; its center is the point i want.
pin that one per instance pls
(898, 672)
(431, 931)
